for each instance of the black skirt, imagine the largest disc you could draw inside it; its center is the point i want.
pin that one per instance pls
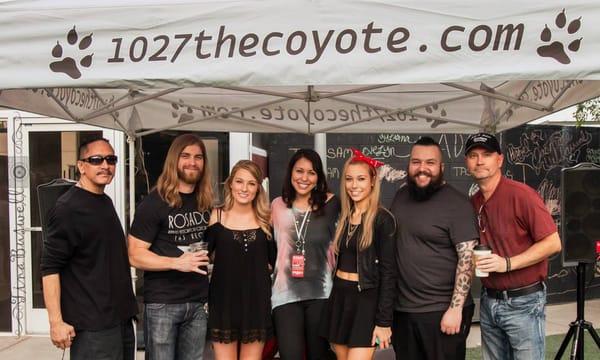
(350, 315)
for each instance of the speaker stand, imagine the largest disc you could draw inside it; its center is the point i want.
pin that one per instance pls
(577, 327)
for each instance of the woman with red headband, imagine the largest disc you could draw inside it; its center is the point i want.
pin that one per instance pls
(360, 308)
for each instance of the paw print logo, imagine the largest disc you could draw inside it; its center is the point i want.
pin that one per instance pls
(181, 112)
(556, 49)
(67, 64)
(437, 111)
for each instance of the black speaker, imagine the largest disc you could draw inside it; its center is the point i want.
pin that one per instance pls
(48, 194)
(580, 213)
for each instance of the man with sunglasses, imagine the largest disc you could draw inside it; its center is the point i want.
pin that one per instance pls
(514, 222)
(85, 269)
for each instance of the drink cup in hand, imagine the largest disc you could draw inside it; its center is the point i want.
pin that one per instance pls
(199, 246)
(481, 250)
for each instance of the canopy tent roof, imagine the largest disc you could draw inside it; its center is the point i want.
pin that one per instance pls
(298, 65)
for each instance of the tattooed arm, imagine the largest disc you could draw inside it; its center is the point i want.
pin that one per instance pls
(452, 318)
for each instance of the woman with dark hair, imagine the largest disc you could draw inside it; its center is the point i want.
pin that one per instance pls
(303, 226)
(360, 308)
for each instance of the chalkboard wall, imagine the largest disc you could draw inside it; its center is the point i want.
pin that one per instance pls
(533, 154)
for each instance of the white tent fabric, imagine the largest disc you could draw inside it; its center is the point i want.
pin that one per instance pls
(299, 65)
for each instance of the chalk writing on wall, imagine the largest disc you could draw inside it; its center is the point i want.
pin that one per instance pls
(593, 155)
(551, 195)
(541, 153)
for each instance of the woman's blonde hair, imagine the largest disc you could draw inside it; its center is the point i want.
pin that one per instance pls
(366, 234)
(167, 185)
(260, 204)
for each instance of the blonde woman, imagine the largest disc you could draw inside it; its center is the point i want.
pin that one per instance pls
(360, 308)
(243, 251)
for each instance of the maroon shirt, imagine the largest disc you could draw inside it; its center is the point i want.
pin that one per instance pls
(510, 221)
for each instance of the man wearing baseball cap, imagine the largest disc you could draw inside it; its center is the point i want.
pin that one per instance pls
(514, 222)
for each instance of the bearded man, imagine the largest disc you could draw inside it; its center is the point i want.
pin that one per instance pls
(173, 216)
(435, 240)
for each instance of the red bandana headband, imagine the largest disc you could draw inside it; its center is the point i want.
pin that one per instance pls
(358, 156)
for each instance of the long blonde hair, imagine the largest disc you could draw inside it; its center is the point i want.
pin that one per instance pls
(260, 204)
(167, 185)
(366, 235)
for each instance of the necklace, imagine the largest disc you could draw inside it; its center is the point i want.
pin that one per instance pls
(301, 228)
(351, 229)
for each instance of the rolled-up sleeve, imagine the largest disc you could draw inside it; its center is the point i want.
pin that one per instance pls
(60, 241)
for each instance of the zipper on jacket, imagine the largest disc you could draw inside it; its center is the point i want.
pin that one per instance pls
(357, 264)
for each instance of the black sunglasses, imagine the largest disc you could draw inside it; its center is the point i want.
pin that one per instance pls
(98, 160)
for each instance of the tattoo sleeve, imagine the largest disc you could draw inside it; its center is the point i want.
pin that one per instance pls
(464, 273)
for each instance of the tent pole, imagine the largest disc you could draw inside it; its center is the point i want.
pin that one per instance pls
(321, 148)
(131, 148)
(500, 96)
(131, 204)
(511, 106)
(131, 192)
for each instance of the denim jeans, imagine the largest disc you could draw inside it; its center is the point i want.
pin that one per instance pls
(513, 328)
(175, 331)
(116, 343)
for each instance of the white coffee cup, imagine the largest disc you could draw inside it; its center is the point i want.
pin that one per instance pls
(481, 250)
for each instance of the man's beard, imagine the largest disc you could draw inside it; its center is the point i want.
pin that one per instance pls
(424, 193)
(189, 178)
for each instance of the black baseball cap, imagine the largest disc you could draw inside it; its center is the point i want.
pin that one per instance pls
(484, 140)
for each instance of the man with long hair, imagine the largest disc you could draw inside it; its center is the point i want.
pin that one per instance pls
(173, 216)
(85, 270)
(435, 243)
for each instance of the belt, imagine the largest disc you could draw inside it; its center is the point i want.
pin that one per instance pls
(513, 293)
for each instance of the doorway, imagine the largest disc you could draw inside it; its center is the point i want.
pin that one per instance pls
(40, 150)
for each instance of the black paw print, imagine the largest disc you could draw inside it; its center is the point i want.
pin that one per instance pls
(433, 110)
(556, 49)
(68, 65)
(182, 112)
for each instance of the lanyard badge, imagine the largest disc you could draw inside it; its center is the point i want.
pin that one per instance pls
(298, 266)
(298, 259)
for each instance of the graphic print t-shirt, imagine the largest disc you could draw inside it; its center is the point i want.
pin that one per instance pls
(169, 230)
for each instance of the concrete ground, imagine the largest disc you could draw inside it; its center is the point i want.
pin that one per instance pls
(558, 318)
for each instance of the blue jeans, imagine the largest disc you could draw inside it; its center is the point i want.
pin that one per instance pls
(116, 343)
(513, 328)
(175, 331)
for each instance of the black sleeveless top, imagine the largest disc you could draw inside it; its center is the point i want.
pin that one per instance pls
(240, 285)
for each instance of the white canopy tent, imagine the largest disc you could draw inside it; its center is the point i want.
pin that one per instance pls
(298, 65)
(310, 66)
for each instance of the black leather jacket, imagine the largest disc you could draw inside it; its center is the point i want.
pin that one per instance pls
(377, 267)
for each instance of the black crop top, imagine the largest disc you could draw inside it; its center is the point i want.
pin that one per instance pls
(348, 249)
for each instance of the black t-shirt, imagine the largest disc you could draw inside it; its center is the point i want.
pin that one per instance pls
(86, 246)
(426, 247)
(166, 228)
